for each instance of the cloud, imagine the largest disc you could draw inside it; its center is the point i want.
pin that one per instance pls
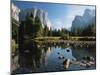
(57, 24)
(72, 11)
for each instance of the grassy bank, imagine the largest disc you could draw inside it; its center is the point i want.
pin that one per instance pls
(70, 40)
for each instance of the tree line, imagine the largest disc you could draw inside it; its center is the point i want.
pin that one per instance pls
(34, 28)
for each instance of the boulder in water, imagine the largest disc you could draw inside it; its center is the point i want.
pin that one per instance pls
(58, 53)
(66, 63)
(88, 58)
(68, 50)
(61, 57)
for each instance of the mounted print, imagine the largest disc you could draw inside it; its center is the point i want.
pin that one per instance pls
(52, 37)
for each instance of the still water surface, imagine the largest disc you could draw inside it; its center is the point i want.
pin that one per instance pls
(50, 58)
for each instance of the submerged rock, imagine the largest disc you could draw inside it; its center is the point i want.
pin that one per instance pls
(88, 58)
(87, 61)
(88, 65)
(92, 58)
(61, 57)
(92, 62)
(82, 64)
(66, 63)
(73, 59)
(68, 50)
(58, 53)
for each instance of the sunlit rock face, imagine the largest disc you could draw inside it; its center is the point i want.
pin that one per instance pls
(80, 22)
(15, 12)
(41, 14)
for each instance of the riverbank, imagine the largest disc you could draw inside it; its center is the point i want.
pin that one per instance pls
(66, 41)
(71, 40)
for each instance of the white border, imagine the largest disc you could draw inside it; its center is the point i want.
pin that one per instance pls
(5, 37)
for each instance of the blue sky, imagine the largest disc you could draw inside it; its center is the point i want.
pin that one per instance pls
(60, 15)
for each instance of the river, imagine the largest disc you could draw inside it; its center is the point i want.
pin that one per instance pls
(50, 58)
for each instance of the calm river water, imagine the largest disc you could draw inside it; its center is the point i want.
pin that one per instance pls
(36, 58)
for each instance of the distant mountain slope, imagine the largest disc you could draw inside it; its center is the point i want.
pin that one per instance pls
(41, 14)
(81, 22)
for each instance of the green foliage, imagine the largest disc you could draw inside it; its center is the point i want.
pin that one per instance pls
(50, 32)
(29, 25)
(33, 27)
(46, 31)
(38, 28)
(65, 37)
(62, 32)
(15, 27)
(88, 31)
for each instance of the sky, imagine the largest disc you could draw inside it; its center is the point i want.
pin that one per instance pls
(60, 15)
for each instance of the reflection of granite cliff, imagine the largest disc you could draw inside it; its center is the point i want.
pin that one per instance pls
(88, 18)
(41, 14)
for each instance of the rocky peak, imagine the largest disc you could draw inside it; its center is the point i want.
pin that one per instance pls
(41, 14)
(88, 18)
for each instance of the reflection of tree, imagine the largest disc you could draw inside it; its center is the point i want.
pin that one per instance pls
(32, 56)
(47, 54)
(80, 52)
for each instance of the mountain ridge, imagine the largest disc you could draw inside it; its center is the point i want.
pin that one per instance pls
(81, 22)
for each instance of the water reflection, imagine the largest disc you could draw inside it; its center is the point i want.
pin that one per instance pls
(38, 58)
